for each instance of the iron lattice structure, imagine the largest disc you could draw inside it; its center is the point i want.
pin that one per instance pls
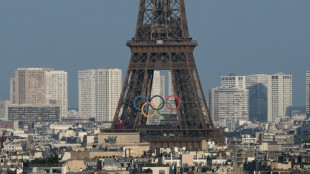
(162, 42)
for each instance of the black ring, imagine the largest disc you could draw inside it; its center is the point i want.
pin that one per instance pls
(161, 99)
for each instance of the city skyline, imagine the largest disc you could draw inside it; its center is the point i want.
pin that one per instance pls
(236, 34)
(222, 82)
(226, 107)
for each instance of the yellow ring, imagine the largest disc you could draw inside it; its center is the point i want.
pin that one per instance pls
(149, 116)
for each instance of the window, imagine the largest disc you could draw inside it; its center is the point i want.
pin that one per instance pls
(56, 170)
(161, 172)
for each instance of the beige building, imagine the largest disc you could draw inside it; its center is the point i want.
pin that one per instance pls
(4, 106)
(56, 90)
(12, 90)
(29, 86)
(40, 86)
(129, 141)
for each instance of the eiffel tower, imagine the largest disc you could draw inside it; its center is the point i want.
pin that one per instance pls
(162, 42)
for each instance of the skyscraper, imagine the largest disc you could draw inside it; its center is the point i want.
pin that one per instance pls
(108, 91)
(228, 106)
(279, 96)
(308, 92)
(12, 90)
(257, 85)
(56, 87)
(4, 105)
(40, 86)
(156, 88)
(163, 86)
(87, 93)
(171, 92)
(99, 92)
(29, 86)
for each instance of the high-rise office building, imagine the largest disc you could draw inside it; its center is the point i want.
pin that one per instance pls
(257, 85)
(99, 92)
(29, 86)
(228, 106)
(87, 93)
(233, 81)
(308, 93)
(279, 96)
(56, 87)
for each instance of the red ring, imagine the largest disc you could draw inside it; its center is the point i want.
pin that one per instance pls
(179, 105)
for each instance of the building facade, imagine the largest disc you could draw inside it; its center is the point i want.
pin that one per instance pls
(4, 106)
(29, 86)
(233, 81)
(258, 103)
(279, 96)
(99, 92)
(40, 86)
(87, 93)
(228, 106)
(34, 113)
(56, 90)
(308, 93)
(171, 92)
(108, 91)
(12, 90)
(158, 88)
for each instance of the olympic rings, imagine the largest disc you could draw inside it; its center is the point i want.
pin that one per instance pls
(134, 101)
(179, 103)
(149, 116)
(158, 107)
(164, 116)
(153, 106)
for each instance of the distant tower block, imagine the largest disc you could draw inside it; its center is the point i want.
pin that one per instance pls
(162, 42)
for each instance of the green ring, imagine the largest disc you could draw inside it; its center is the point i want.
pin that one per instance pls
(162, 115)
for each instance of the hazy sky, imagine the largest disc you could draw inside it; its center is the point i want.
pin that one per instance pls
(235, 36)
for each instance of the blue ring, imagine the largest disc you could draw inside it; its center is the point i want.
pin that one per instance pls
(140, 96)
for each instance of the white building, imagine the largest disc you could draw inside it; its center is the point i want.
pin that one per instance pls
(4, 105)
(228, 106)
(257, 85)
(233, 81)
(156, 88)
(87, 93)
(171, 92)
(163, 86)
(56, 90)
(279, 96)
(99, 92)
(108, 91)
(308, 93)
